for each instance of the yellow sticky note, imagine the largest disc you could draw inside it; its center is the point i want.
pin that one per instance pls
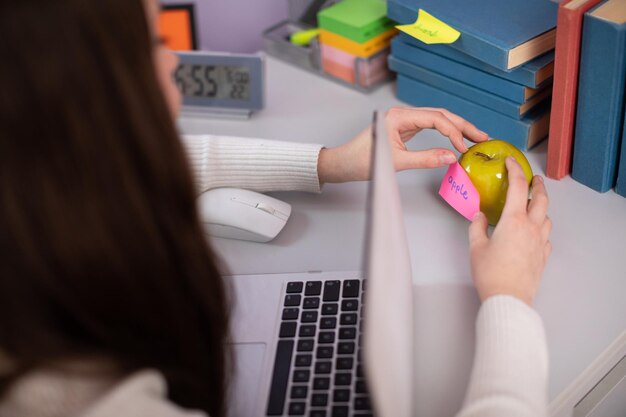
(428, 29)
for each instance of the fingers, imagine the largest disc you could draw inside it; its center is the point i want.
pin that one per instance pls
(517, 193)
(547, 250)
(437, 120)
(538, 206)
(408, 121)
(478, 230)
(469, 130)
(546, 229)
(431, 158)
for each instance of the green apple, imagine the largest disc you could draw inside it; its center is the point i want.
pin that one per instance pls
(484, 164)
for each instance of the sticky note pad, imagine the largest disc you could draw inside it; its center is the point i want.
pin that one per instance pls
(458, 191)
(363, 50)
(176, 26)
(357, 20)
(429, 29)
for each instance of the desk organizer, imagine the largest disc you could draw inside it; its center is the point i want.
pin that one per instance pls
(362, 74)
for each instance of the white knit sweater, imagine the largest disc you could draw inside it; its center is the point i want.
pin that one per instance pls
(253, 164)
(510, 371)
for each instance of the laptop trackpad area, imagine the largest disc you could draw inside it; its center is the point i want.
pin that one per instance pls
(256, 309)
(249, 358)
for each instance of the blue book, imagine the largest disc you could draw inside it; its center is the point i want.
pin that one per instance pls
(504, 34)
(523, 133)
(620, 185)
(532, 74)
(455, 70)
(600, 106)
(466, 91)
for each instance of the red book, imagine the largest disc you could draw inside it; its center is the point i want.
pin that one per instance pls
(567, 57)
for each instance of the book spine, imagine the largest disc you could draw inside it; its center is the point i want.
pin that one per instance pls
(471, 45)
(497, 125)
(566, 66)
(460, 72)
(566, 62)
(600, 103)
(620, 184)
(484, 98)
(522, 75)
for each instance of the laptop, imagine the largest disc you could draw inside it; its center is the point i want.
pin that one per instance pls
(332, 344)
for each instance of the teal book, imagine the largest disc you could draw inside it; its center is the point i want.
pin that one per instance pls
(532, 74)
(600, 107)
(523, 133)
(504, 34)
(466, 91)
(460, 72)
(620, 185)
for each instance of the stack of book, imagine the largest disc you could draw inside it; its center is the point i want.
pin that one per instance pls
(354, 41)
(587, 132)
(497, 74)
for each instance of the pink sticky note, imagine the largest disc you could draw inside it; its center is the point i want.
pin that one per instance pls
(457, 189)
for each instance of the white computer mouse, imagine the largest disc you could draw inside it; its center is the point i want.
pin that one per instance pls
(234, 213)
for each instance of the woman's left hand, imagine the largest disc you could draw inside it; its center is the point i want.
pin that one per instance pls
(351, 161)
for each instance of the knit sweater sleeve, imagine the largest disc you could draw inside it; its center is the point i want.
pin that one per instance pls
(254, 164)
(510, 373)
(141, 394)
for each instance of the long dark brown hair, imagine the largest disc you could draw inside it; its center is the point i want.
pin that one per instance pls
(101, 250)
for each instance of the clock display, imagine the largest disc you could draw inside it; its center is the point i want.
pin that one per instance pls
(222, 82)
(219, 83)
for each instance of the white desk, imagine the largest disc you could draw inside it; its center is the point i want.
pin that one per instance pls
(583, 293)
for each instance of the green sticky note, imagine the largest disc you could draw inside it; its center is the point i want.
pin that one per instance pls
(358, 20)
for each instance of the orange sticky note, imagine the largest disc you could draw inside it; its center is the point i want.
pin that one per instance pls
(458, 191)
(176, 27)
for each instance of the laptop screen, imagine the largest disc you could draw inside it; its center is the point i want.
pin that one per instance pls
(388, 317)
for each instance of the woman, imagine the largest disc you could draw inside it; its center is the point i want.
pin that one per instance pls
(109, 294)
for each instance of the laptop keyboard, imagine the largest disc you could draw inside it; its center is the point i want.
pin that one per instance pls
(317, 369)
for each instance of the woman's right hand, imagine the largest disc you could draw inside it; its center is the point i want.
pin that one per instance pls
(512, 260)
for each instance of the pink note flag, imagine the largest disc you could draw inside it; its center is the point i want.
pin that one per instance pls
(457, 189)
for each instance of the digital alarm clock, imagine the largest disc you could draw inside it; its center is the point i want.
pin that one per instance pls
(222, 84)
